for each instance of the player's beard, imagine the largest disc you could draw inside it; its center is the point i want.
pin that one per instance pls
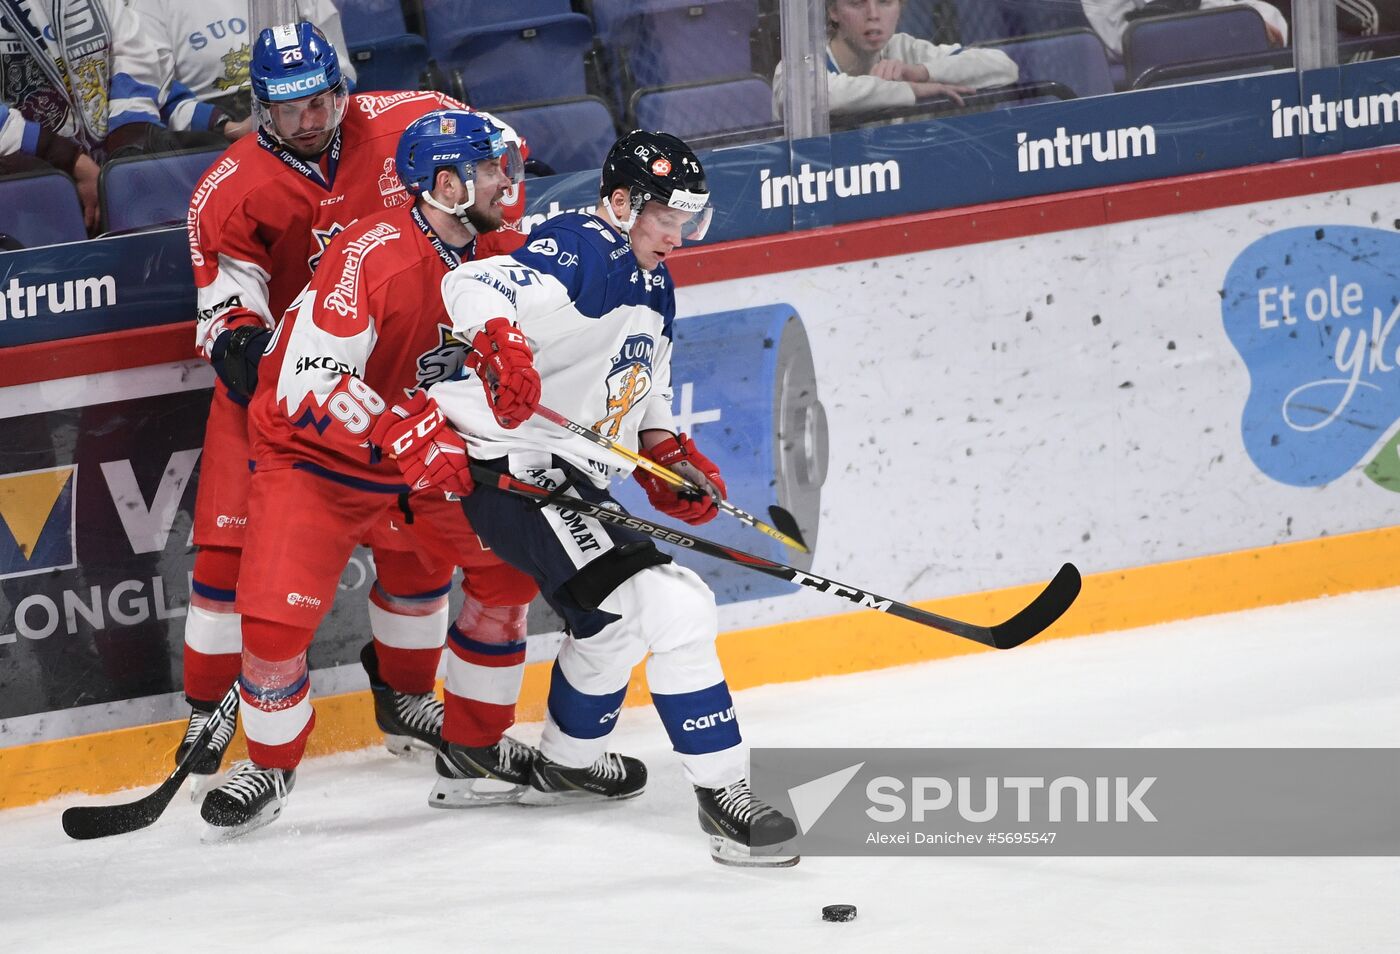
(488, 221)
(321, 144)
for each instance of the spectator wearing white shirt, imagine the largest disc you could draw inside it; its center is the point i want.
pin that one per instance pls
(203, 51)
(871, 67)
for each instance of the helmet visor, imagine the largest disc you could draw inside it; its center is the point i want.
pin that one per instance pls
(298, 121)
(696, 205)
(690, 226)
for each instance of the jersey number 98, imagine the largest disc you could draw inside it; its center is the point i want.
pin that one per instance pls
(356, 407)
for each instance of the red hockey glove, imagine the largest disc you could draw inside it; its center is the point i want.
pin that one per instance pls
(679, 454)
(502, 357)
(428, 451)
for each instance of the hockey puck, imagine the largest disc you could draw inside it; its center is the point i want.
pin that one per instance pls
(839, 912)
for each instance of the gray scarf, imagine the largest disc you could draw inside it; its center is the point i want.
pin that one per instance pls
(79, 64)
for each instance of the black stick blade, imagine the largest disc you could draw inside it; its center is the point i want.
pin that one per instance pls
(100, 821)
(786, 523)
(1041, 613)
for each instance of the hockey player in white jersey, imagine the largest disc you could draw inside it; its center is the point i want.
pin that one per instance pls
(581, 319)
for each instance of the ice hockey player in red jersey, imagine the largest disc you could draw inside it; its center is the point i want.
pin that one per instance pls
(258, 223)
(345, 439)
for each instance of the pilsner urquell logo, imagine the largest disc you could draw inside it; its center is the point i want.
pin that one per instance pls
(1314, 312)
(36, 521)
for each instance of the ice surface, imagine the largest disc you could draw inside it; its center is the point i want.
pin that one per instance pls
(359, 863)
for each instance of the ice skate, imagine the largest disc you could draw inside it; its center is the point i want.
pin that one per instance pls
(249, 798)
(490, 775)
(734, 820)
(612, 776)
(208, 760)
(410, 723)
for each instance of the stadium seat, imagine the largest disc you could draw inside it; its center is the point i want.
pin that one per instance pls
(1045, 16)
(144, 191)
(394, 62)
(1076, 58)
(982, 20)
(521, 61)
(366, 20)
(386, 55)
(704, 109)
(916, 18)
(686, 41)
(40, 208)
(447, 21)
(1202, 35)
(566, 135)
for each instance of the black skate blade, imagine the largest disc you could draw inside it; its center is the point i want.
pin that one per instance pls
(534, 798)
(218, 834)
(723, 851)
(408, 747)
(477, 793)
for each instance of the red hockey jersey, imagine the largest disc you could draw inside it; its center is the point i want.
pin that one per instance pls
(261, 218)
(369, 328)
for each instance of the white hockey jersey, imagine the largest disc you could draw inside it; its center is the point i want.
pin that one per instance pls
(600, 328)
(203, 49)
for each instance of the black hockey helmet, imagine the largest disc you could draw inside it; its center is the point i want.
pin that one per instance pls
(658, 167)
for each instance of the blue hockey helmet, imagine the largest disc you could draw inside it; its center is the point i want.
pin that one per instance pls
(457, 139)
(292, 65)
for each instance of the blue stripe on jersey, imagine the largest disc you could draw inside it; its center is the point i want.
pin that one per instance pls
(358, 483)
(699, 722)
(595, 263)
(579, 714)
(464, 641)
(270, 695)
(214, 592)
(424, 597)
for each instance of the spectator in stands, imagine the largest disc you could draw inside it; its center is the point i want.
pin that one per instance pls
(1110, 18)
(204, 50)
(871, 67)
(77, 86)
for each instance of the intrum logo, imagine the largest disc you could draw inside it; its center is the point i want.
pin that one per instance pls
(56, 298)
(1074, 149)
(809, 187)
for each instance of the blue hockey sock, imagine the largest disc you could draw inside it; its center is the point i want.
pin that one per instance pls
(579, 714)
(699, 722)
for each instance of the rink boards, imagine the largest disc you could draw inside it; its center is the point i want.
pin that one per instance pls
(1187, 388)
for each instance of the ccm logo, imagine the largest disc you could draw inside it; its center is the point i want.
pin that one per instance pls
(610, 716)
(308, 602)
(420, 430)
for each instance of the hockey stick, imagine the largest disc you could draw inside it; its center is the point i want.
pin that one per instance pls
(1048, 606)
(99, 821)
(790, 536)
